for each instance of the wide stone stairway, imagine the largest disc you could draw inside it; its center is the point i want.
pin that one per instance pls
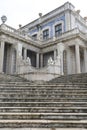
(59, 103)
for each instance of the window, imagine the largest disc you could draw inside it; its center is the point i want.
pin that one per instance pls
(58, 29)
(46, 34)
(34, 36)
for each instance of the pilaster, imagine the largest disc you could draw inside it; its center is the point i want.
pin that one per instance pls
(67, 18)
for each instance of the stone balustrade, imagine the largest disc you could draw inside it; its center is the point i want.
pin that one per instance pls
(15, 32)
(8, 28)
(81, 19)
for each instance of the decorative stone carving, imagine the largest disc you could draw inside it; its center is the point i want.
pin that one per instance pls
(4, 19)
(28, 60)
(50, 61)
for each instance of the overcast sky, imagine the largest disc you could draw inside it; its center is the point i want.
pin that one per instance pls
(24, 11)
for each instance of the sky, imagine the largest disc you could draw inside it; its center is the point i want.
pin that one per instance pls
(25, 11)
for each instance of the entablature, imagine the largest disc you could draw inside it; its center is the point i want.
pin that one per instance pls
(15, 35)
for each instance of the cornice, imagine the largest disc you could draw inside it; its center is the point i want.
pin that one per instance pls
(20, 37)
(69, 35)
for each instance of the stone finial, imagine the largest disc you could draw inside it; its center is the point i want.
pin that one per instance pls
(3, 19)
(40, 15)
(28, 60)
(78, 11)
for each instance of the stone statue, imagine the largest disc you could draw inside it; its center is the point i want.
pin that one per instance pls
(28, 60)
(50, 61)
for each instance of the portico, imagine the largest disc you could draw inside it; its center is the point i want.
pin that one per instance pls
(20, 54)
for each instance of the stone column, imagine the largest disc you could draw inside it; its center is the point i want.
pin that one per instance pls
(55, 54)
(85, 59)
(77, 52)
(18, 57)
(41, 60)
(2, 44)
(25, 54)
(37, 60)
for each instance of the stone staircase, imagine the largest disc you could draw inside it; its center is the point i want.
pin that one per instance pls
(55, 104)
(74, 78)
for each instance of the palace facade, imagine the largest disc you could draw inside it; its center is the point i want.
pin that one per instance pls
(54, 44)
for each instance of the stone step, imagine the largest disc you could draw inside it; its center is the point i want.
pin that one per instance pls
(43, 124)
(77, 80)
(52, 99)
(44, 109)
(26, 95)
(7, 80)
(74, 78)
(42, 95)
(59, 95)
(30, 84)
(26, 104)
(45, 116)
(3, 82)
(45, 91)
(16, 88)
(42, 104)
(43, 84)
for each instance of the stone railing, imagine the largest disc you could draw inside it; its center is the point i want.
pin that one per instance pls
(81, 19)
(8, 28)
(15, 32)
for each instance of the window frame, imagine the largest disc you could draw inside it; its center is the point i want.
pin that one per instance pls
(58, 29)
(46, 34)
(57, 23)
